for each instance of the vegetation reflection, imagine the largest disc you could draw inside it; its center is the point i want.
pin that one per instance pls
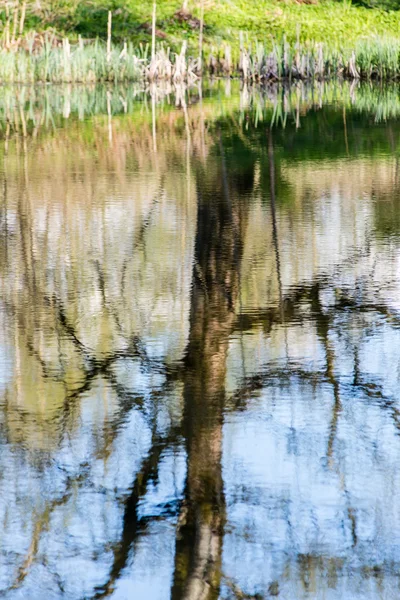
(163, 275)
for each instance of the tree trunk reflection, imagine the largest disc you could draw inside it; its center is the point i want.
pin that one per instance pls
(218, 249)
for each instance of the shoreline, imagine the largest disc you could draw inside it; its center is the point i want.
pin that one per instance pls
(97, 62)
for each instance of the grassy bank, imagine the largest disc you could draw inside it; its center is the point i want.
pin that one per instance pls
(259, 41)
(335, 23)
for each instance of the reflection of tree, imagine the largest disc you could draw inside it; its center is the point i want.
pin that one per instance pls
(222, 217)
(133, 525)
(221, 222)
(93, 366)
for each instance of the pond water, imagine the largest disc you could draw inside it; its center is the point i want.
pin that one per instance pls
(200, 343)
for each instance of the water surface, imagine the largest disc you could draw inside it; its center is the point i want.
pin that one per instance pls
(200, 343)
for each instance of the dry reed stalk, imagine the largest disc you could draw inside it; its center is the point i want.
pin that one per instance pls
(109, 25)
(320, 60)
(228, 59)
(152, 70)
(352, 66)
(243, 66)
(22, 19)
(15, 23)
(201, 37)
(180, 64)
(7, 26)
(67, 59)
(153, 32)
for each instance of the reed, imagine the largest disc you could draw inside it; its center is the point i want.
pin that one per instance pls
(374, 58)
(49, 59)
(64, 62)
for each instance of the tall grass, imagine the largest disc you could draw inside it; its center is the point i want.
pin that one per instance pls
(373, 58)
(78, 64)
(63, 62)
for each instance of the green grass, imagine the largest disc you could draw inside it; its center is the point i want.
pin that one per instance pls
(70, 64)
(334, 23)
(281, 38)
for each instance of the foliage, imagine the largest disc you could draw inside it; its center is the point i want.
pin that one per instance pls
(262, 40)
(334, 23)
